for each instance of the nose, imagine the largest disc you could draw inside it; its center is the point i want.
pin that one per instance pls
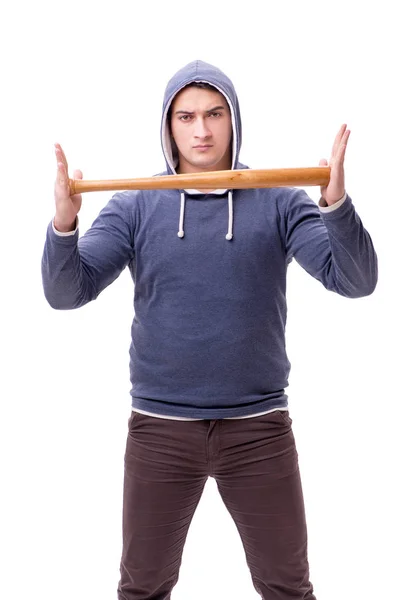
(201, 129)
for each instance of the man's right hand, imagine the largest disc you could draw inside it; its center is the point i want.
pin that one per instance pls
(67, 206)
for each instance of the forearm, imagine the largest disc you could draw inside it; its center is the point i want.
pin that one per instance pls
(75, 271)
(354, 264)
(65, 283)
(333, 246)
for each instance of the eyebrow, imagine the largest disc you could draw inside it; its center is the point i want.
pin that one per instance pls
(188, 112)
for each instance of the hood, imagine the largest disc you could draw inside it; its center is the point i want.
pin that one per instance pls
(199, 71)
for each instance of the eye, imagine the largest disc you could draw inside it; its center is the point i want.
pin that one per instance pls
(185, 117)
(215, 114)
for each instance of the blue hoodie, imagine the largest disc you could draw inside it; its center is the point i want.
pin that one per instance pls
(208, 335)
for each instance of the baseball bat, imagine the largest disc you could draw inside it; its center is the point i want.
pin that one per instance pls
(232, 179)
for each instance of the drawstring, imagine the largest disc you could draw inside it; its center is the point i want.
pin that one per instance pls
(228, 236)
(181, 233)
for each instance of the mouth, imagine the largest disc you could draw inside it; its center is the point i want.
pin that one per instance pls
(203, 146)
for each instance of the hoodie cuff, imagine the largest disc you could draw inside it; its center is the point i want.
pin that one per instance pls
(324, 208)
(66, 233)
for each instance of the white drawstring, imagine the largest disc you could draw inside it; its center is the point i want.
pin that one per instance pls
(229, 235)
(181, 233)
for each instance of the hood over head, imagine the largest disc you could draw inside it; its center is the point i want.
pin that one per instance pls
(195, 72)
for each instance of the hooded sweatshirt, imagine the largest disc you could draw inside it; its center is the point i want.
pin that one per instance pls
(209, 273)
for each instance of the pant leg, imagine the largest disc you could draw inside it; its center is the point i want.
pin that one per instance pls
(164, 477)
(258, 477)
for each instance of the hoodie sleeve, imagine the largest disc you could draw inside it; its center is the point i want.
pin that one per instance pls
(332, 246)
(75, 271)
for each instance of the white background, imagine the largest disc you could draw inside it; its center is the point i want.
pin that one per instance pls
(91, 76)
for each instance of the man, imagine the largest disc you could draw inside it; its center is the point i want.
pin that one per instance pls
(208, 361)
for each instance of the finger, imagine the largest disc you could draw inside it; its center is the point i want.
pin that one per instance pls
(61, 156)
(62, 175)
(342, 147)
(338, 140)
(64, 158)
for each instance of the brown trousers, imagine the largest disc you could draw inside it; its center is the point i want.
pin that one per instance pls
(255, 465)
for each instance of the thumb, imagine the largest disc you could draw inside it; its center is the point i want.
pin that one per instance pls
(77, 175)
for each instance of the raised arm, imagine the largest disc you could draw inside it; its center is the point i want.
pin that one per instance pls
(75, 271)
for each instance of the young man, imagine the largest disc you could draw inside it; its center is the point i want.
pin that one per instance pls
(208, 361)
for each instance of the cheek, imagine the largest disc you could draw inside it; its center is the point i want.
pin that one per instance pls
(226, 134)
(180, 131)
(180, 138)
(173, 131)
(176, 134)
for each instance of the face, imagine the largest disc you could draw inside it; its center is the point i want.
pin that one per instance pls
(202, 129)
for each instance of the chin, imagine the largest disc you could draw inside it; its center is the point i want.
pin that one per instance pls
(206, 164)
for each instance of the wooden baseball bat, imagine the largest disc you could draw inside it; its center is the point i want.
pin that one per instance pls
(233, 179)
